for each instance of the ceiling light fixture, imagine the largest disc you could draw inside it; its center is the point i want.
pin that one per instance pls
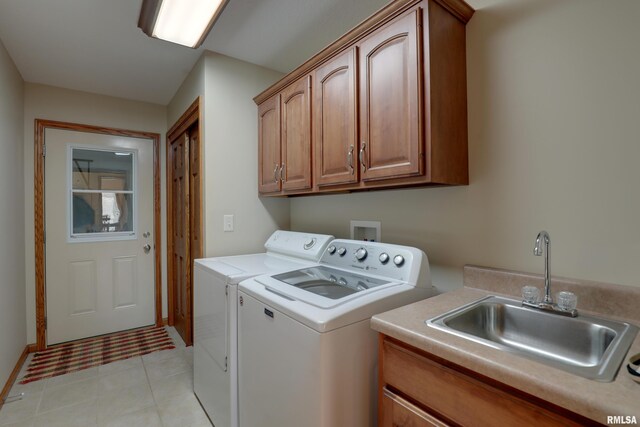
(185, 22)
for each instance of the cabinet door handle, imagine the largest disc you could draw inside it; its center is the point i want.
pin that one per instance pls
(350, 159)
(361, 155)
(282, 172)
(275, 174)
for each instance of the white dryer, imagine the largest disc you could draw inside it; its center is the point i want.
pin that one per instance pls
(307, 354)
(215, 367)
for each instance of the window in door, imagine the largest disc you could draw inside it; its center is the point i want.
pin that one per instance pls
(101, 194)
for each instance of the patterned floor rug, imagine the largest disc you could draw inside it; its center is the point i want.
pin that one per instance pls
(77, 355)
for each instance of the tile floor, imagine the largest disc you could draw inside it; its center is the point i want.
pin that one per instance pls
(151, 390)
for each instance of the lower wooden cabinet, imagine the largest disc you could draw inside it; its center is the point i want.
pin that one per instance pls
(398, 412)
(418, 389)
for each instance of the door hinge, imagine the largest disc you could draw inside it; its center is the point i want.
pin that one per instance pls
(226, 365)
(44, 151)
(226, 290)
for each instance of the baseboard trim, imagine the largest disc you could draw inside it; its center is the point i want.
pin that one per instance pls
(15, 372)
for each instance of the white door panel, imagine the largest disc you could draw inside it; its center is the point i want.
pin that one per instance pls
(99, 279)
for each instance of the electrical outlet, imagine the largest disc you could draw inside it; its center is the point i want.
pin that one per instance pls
(228, 223)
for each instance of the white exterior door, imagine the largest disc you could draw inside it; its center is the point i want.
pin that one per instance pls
(98, 220)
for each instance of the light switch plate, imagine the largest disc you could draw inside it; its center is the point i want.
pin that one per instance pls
(228, 223)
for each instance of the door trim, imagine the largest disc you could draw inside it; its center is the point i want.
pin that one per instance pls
(40, 126)
(188, 118)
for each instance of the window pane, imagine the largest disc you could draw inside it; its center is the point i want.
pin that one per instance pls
(101, 170)
(102, 212)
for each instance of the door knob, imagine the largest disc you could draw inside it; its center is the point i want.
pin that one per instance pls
(147, 248)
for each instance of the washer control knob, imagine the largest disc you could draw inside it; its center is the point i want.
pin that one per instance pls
(342, 251)
(309, 243)
(331, 249)
(384, 257)
(398, 260)
(361, 254)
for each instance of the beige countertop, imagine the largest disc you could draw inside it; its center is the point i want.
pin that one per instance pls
(595, 400)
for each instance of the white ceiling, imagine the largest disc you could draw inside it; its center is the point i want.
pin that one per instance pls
(96, 46)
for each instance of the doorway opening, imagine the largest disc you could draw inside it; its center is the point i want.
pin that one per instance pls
(184, 217)
(94, 203)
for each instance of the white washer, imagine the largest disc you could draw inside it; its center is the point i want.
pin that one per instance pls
(307, 354)
(215, 368)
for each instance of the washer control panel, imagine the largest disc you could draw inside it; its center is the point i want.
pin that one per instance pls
(383, 259)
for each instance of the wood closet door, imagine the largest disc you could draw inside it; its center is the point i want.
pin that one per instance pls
(335, 126)
(390, 90)
(180, 240)
(269, 145)
(195, 197)
(296, 135)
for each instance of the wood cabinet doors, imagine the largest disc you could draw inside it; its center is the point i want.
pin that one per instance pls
(269, 145)
(391, 95)
(284, 139)
(335, 121)
(295, 106)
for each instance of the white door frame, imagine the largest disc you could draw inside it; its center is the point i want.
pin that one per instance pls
(39, 153)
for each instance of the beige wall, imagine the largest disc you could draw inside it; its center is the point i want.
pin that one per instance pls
(230, 153)
(12, 291)
(46, 102)
(191, 88)
(554, 140)
(231, 158)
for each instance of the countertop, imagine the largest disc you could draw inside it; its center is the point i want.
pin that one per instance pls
(592, 399)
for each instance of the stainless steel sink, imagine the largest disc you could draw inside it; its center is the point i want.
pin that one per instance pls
(587, 346)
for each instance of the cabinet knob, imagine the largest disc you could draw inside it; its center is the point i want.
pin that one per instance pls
(282, 172)
(350, 159)
(275, 174)
(361, 155)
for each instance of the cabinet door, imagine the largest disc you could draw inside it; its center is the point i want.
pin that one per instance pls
(335, 127)
(391, 94)
(296, 135)
(269, 145)
(397, 412)
(444, 390)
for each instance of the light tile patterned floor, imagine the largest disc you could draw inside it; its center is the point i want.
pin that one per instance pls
(151, 390)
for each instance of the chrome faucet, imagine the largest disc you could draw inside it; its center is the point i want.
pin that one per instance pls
(543, 237)
(547, 303)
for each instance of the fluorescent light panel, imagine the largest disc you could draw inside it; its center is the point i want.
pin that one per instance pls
(184, 22)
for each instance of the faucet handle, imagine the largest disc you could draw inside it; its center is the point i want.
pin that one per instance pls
(530, 294)
(567, 301)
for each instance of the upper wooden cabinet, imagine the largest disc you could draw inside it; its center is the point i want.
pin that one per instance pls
(284, 140)
(390, 115)
(335, 116)
(387, 107)
(296, 135)
(269, 145)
